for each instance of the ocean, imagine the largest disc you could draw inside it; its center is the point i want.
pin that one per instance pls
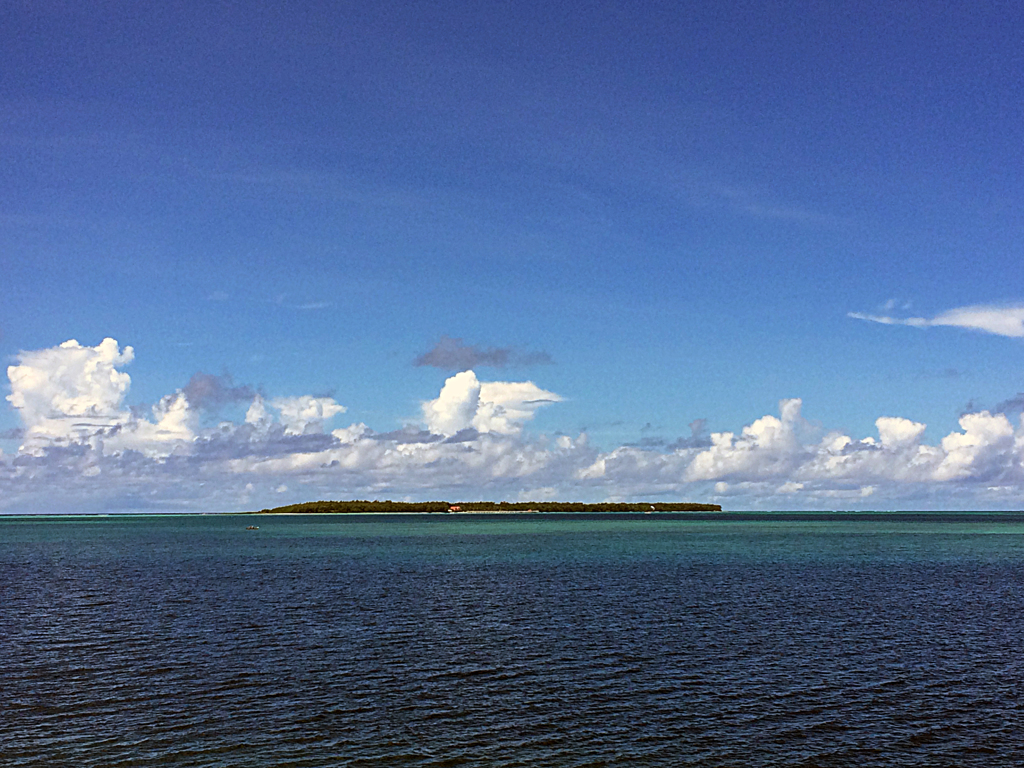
(512, 640)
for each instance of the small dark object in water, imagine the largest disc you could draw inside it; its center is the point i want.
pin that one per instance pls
(252, 528)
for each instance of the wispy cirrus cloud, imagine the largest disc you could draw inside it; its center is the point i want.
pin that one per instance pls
(453, 354)
(282, 300)
(1005, 320)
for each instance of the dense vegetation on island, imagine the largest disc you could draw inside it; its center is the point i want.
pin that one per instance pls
(336, 507)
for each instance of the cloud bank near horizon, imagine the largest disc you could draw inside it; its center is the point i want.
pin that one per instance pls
(998, 320)
(83, 448)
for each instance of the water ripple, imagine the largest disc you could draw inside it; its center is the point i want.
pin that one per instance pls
(189, 645)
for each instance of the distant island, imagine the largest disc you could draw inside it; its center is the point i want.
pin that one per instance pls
(343, 507)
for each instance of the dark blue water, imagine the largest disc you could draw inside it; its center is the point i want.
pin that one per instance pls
(512, 641)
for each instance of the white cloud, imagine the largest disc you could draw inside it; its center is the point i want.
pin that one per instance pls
(768, 459)
(768, 447)
(455, 408)
(306, 414)
(998, 320)
(916, 322)
(257, 415)
(896, 433)
(72, 394)
(171, 427)
(70, 391)
(985, 448)
(490, 406)
(82, 445)
(1002, 321)
(505, 405)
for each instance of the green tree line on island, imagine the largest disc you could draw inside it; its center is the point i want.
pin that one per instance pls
(341, 507)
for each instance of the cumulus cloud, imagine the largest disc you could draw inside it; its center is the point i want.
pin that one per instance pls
(491, 406)
(82, 445)
(306, 414)
(998, 320)
(452, 354)
(172, 427)
(770, 459)
(303, 415)
(983, 451)
(74, 394)
(55, 388)
(768, 447)
(895, 433)
(456, 407)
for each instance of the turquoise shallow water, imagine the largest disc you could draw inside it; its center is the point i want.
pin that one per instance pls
(517, 640)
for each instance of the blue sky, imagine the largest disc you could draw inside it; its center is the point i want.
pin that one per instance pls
(667, 219)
